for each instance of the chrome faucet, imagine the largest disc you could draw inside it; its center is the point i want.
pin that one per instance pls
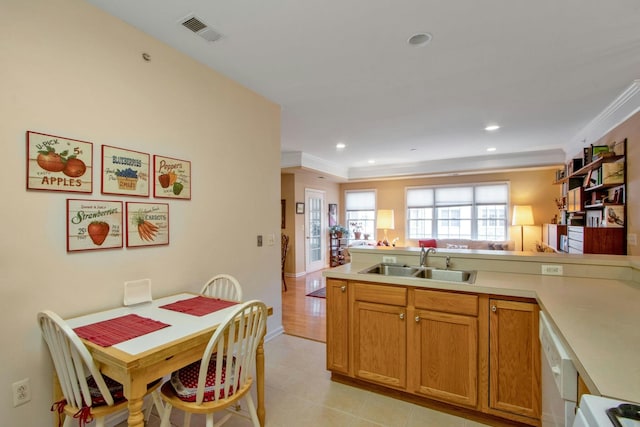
(424, 253)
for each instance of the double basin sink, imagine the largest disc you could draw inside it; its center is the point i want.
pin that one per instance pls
(403, 270)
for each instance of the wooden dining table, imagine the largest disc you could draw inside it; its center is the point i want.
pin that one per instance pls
(137, 362)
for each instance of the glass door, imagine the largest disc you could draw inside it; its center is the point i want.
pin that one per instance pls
(316, 230)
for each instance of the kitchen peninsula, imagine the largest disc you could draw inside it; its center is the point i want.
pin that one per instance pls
(593, 305)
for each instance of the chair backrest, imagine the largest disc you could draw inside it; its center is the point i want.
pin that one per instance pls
(72, 361)
(284, 248)
(234, 344)
(223, 286)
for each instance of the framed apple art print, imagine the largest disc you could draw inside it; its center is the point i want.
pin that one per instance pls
(172, 178)
(55, 163)
(93, 224)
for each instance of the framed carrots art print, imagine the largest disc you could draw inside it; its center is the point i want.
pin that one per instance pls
(147, 224)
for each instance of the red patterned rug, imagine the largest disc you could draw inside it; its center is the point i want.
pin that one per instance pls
(318, 293)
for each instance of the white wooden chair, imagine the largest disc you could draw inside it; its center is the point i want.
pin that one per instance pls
(223, 376)
(223, 286)
(87, 393)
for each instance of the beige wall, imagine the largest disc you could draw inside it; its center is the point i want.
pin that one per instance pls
(71, 70)
(533, 187)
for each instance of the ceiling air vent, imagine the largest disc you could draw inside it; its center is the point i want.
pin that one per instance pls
(200, 28)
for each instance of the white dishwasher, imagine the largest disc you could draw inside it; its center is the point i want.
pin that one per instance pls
(559, 379)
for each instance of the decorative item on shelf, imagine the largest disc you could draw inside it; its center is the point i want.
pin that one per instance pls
(385, 222)
(338, 230)
(613, 216)
(366, 236)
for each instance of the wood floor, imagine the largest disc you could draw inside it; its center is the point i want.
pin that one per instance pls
(304, 316)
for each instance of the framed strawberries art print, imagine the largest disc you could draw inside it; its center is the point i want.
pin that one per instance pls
(93, 224)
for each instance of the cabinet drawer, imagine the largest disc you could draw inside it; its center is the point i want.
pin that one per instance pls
(446, 302)
(382, 294)
(576, 233)
(576, 246)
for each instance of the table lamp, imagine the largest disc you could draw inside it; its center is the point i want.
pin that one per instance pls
(384, 221)
(522, 215)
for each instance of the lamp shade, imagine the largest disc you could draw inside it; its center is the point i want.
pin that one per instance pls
(522, 215)
(384, 219)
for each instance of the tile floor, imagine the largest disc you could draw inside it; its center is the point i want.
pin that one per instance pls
(299, 393)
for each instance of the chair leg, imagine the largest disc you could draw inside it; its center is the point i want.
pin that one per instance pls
(187, 419)
(209, 420)
(166, 414)
(252, 410)
(157, 402)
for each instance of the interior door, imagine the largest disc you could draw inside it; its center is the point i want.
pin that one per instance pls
(315, 230)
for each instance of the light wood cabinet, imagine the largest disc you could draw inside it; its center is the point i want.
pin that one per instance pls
(438, 345)
(514, 358)
(443, 346)
(338, 326)
(380, 334)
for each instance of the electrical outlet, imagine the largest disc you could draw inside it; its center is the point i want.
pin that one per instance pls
(21, 392)
(259, 240)
(389, 259)
(632, 239)
(271, 239)
(554, 270)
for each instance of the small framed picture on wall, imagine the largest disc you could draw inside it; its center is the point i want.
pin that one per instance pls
(299, 208)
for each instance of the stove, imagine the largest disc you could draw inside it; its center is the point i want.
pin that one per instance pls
(593, 413)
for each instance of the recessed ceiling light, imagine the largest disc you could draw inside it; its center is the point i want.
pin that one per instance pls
(371, 161)
(491, 149)
(492, 128)
(341, 146)
(419, 39)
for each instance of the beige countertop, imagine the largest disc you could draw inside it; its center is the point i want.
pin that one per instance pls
(599, 319)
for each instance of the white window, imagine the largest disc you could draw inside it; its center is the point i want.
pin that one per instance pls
(360, 209)
(463, 212)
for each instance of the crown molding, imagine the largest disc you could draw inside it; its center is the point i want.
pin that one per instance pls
(298, 159)
(465, 165)
(623, 107)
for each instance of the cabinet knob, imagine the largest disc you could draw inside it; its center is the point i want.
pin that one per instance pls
(401, 316)
(343, 288)
(417, 319)
(494, 308)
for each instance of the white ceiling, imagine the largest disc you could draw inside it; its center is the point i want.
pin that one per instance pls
(342, 71)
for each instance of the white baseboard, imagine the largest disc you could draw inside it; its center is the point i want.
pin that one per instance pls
(272, 334)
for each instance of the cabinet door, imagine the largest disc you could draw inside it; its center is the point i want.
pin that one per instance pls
(379, 343)
(443, 356)
(337, 326)
(514, 358)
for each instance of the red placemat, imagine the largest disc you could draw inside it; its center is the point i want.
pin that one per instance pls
(114, 331)
(199, 306)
